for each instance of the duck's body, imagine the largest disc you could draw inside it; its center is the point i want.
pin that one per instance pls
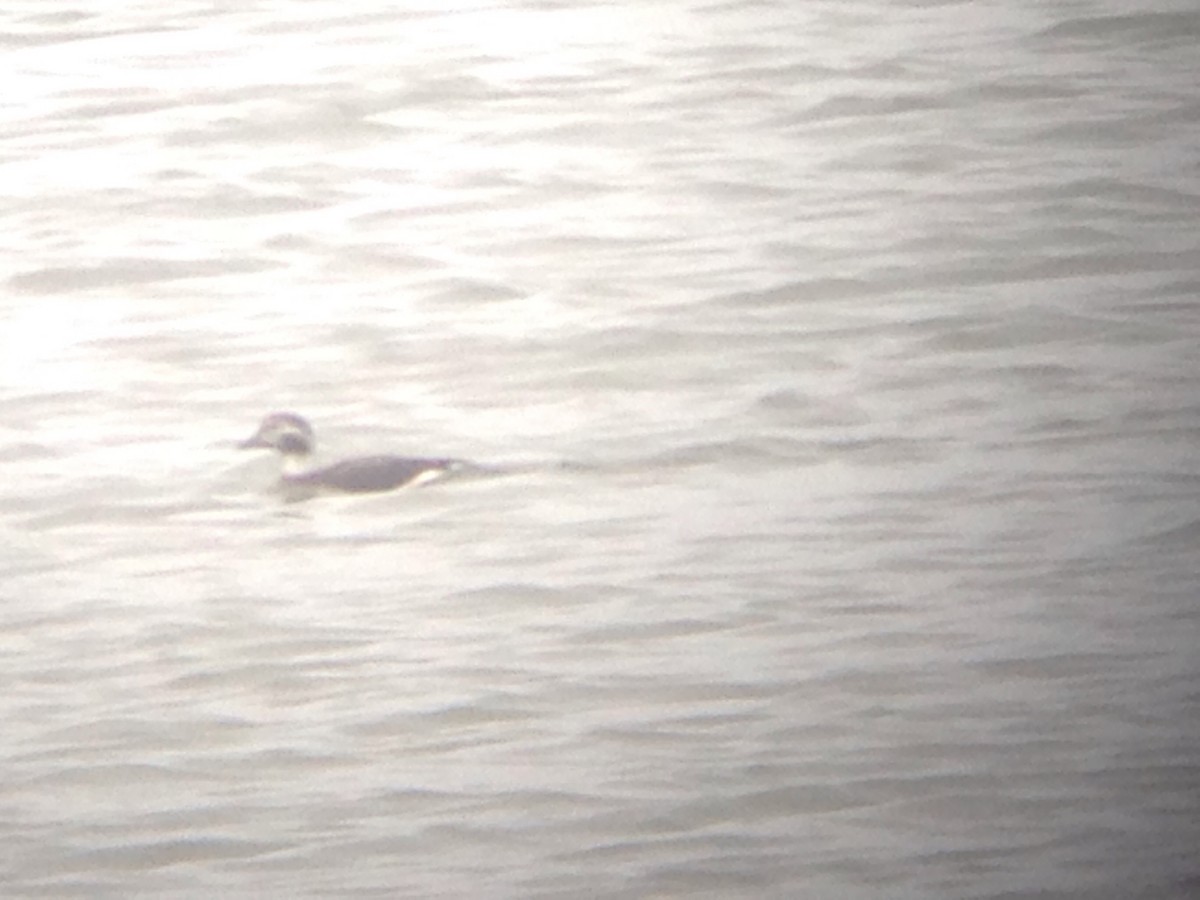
(293, 437)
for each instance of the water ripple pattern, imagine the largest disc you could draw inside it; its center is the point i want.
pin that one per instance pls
(838, 367)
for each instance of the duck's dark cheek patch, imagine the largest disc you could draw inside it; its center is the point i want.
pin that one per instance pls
(292, 443)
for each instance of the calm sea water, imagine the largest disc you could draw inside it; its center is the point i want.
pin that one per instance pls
(841, 362)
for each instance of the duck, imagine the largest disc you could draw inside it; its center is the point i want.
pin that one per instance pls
(293, 437)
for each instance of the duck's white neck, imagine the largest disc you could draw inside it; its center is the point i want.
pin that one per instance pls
(294, 464)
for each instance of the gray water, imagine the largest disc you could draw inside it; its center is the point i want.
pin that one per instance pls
(839, 362)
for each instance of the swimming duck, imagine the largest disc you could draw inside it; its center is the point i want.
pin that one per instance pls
(295, 440)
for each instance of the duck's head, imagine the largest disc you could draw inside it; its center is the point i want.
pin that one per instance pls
(286, 432)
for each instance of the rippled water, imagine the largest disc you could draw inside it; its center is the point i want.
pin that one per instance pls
(840, 362)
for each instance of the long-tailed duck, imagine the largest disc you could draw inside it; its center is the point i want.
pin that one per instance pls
(293, 437)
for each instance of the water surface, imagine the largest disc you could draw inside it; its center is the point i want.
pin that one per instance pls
(841, 362)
